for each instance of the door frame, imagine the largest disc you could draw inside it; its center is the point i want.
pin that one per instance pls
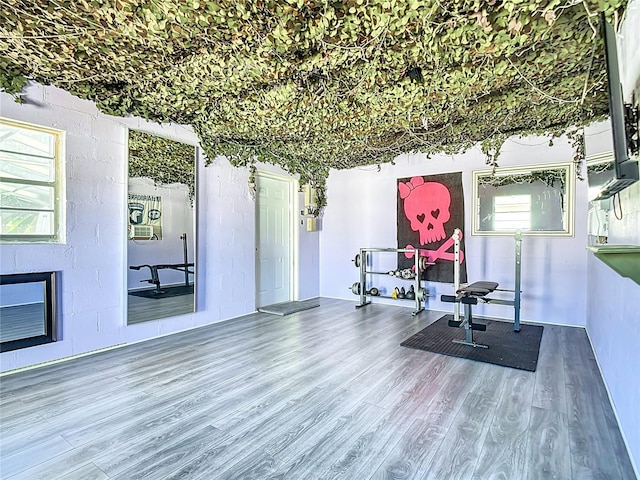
(293, 232)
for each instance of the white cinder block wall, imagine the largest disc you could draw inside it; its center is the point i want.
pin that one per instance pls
(613, 312)
(362, 213)
(93, 260)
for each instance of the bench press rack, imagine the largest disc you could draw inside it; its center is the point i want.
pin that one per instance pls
(477, 291)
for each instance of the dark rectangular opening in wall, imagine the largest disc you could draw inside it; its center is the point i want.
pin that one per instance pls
(27, 310)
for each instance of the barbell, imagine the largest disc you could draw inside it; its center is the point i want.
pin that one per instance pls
(423, 264)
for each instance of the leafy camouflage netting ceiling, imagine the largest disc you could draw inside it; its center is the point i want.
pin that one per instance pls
(314, 85)
(164, 161)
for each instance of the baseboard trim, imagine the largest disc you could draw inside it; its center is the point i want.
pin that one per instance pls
(61, 360)
(444, 312)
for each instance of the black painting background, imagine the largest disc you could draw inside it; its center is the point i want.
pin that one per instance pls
(442, 271)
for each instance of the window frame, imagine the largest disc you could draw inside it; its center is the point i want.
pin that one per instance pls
(57, 184)
(569, 193)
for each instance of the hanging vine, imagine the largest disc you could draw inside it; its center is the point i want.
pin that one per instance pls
(576, 137)
(550, 177)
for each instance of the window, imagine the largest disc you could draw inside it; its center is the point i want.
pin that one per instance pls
(30, 183)
(512, 212)
(536, 199)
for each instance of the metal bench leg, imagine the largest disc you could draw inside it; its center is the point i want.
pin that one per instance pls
(468, 329)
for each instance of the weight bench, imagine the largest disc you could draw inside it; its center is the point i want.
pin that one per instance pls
(155, 279)
(478, 291)
(469, 296)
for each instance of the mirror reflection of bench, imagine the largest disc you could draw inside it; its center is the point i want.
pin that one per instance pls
(187, 268)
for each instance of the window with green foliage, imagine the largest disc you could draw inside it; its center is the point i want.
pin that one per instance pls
(30, 183)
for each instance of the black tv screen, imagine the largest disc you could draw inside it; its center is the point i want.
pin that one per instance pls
(623, 170)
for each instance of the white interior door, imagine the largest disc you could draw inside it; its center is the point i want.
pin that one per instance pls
(273, 239)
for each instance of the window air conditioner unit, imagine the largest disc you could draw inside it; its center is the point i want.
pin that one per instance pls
(141, 232)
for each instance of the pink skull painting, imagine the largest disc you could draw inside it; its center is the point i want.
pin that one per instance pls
(426, 206)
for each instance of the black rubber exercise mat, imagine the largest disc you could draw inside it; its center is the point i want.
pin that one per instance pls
(165, 292)
(507, 348)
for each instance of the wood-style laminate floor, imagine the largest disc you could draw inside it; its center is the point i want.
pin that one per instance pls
(326, 393)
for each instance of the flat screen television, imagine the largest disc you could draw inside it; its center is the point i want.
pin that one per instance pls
(623, 170)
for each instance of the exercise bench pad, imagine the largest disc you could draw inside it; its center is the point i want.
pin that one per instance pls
(479, 289)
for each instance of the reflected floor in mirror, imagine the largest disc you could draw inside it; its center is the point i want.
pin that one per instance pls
(141, 309)
(21, 321)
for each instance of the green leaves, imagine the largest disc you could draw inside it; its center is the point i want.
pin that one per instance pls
(11, 79)
(164, 161)
(318, 85)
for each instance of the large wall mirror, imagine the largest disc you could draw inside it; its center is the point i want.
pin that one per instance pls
(161, 227)
(538, 200)
(27, 310)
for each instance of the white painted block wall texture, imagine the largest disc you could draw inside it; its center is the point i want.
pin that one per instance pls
(613, 313)
(362, 213)
(93, 260)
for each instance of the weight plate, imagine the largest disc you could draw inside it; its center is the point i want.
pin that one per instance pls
(407, 274)
(423, 264)
(422, 294)
(355, 288)
(356, 260)
(374, 292)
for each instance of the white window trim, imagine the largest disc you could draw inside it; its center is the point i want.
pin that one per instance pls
(59, 210)
(569, 213)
